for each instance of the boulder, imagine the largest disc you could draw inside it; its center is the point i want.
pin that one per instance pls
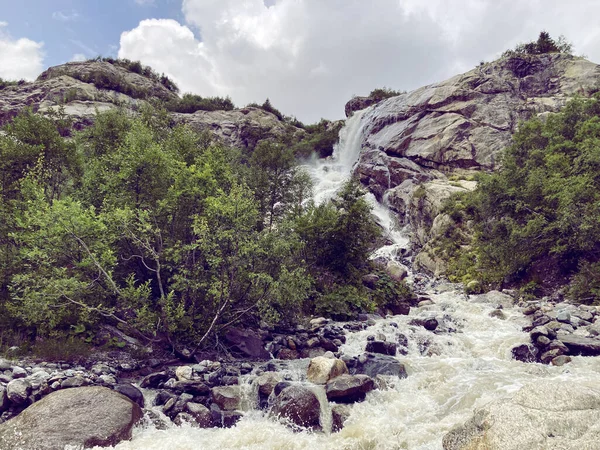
(78, 417)
(372, 364)
(228, 398)
(18, 391)
(131, 392)
(580, 345)
(246, 343)
(300, 406)
(322, 369)
(267, 382)
(200, 414)
(543, 415)
(339, 415)
(154, 380)
(525, 353)
(385, 348)
(184, 373)
(349, 388)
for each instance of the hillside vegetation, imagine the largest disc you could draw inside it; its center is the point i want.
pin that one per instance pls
(149, 226)
(535, 222)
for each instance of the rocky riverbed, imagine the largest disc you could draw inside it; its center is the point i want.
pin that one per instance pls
(438, 376)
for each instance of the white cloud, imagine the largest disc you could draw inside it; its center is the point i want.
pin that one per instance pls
(65, 16)
(144, 2)
(78, 57)
(21, 58)
(310, 56)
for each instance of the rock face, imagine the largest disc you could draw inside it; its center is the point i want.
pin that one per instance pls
(71, 87)
(79, 417)
(458, 126)
(349, 388)
(547, 414)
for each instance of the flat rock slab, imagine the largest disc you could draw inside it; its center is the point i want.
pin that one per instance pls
(580, 345)
(79, 417)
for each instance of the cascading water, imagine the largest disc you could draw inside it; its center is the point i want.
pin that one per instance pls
(465, 364)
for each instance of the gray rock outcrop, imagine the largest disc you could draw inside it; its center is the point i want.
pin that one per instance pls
(412, 142)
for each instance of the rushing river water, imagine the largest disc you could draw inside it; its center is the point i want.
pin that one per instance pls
(465, 364)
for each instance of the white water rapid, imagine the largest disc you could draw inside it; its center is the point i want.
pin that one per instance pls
(465, 364)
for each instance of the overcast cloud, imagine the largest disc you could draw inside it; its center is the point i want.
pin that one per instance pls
(19, 58)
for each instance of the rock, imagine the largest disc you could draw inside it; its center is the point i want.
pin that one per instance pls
(247, 343)
(370, 280)
(154, 380)
(18, 391)
(542, 341)
(300, 406)
(385, 348)
(18, 372)
(561, 360)
(349, 388)
(549, 355)
(525, 353)
(287, 354)
(498, 314)
(429, 323)
(530, 309)
(78, 417)
(579, 345)
(200, 414)
(4, 401)
(372, 365)
(339, 415)
(539, 331)
(318, 322)
(322, 369)
(74, 382)
(267, 382)
(543, 415)
(184, 373)
(358, 103)
(227, 398)
(396, 270)
(194, 387)
(131, 392)
(563, 316)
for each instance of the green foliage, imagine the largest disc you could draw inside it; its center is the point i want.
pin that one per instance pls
(114, 82)
(539, 214)
(190, 103)
(387, 292)
(383, 93)
(544, 44)
(321, 138)
(148, 226)
(7, 83)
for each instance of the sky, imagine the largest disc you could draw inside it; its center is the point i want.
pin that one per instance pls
(309, 57)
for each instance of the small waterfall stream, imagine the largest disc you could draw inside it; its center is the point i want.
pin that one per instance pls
(465, 364)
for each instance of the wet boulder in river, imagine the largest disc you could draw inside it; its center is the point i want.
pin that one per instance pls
(349, 388)
(372, 364)
(322, 369)
(299, 405)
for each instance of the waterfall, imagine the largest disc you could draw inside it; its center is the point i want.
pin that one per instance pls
(330, 174)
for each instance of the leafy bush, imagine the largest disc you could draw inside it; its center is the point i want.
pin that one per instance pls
(383, 93)
(544, 44)
(537, 218)
(7, 83)
(190, 103)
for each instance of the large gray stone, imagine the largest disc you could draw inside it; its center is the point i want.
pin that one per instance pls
(300, 406)
(78, 417)
(544, 415)
(349, 388)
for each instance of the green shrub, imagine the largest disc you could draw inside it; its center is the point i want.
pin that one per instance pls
(190, 103)
(544, 44)
(343, 303)
(383, 93)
